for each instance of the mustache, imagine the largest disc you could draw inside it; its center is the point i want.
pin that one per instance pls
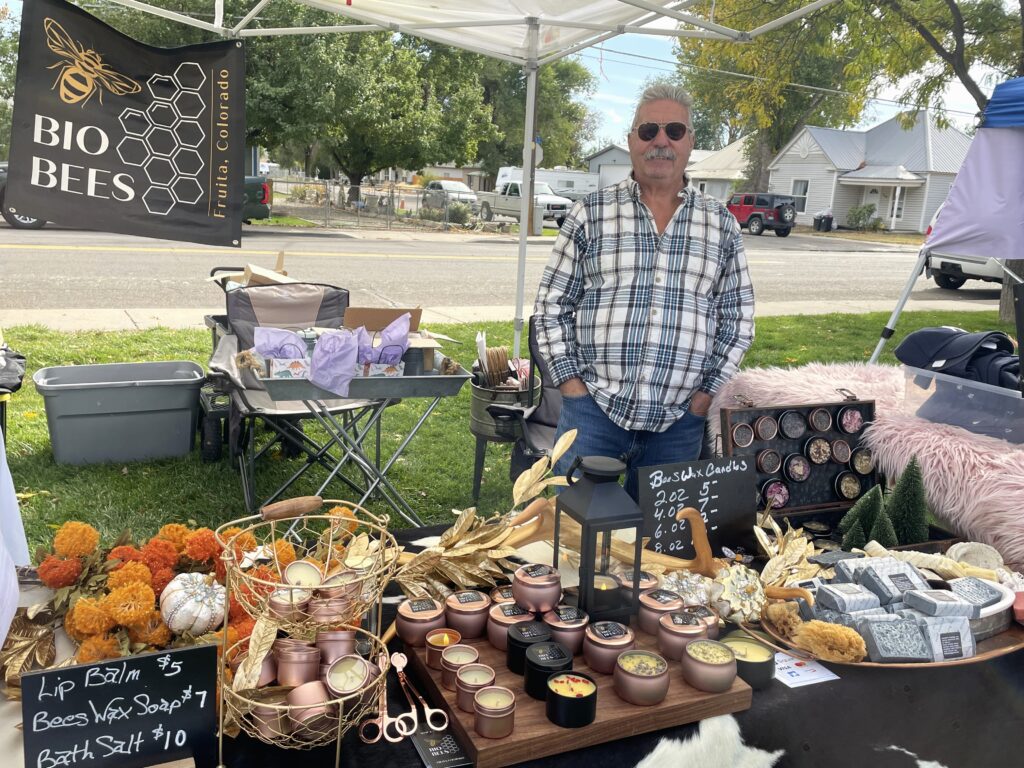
(659, 153)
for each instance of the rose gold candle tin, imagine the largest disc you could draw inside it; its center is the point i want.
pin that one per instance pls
(268, 670)
(705, 614)
(343, 584)
(360, 678)
(437, 640)
(310, 710)
(503, 594)
(641, 678)
(654, 603)
(335, 643)
(567, 623)
(603, 641)
(537, 587)
(453, 658)
(303, 574)
(465, 689)
(289, 604)
(676, 630)
(271, 718)
(647, 581)
(330, 610)
(297, 666)
(495, 709)
(500, 618)
(709, 666)
(466, 611)
(416, 617)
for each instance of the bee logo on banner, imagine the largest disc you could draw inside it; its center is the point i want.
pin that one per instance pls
(113, 135)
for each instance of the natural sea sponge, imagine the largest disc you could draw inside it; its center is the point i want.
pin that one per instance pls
(785, 617)
(830, 642)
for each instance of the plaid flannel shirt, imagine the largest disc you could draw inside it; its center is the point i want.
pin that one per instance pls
(645, 320)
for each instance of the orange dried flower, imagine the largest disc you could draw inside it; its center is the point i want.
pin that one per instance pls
(347, 515)
(69, 626)
(159, 553)
(75, 539)
(161, 579)
(176, 533)
(125, 553)
(91, 618)
(242, 540)
(129, 573)
(251, 591)
(236, 611)
(97, 648)
(284, 552)
(56, 572)
(130, 604)
(202, 545)
(150, 631)
(244, 627)
(313, 561)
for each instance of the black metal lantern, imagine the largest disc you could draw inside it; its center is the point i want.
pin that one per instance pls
(601, 506)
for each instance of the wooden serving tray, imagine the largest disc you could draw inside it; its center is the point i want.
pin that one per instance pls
(535, 736)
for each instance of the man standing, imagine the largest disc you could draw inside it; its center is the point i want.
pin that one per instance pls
(645, 308)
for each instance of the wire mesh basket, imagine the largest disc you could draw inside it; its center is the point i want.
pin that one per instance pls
(306, 570)
(268, 715)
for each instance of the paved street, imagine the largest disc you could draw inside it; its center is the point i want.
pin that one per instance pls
(76, 279)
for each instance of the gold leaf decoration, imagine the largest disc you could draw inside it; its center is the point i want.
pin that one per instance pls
(562, 445)
(462, 525)
(260, 642)
(29, 646)
(526, 481)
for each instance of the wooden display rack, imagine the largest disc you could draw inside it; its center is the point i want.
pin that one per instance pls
(535, 736)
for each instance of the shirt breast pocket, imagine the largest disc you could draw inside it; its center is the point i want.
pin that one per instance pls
(700, 275)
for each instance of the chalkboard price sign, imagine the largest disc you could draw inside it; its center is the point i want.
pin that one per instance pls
(132, 712)
(722, 490)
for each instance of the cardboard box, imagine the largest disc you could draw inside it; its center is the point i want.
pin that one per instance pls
(379, 318)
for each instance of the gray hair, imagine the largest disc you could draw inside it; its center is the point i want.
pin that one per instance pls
(663, 91)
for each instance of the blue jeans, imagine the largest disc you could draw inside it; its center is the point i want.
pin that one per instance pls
(599, 436)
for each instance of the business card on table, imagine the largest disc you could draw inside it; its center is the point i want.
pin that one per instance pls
(797, 673)
(439, 749)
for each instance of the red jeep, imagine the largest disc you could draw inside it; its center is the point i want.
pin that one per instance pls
(758, 211)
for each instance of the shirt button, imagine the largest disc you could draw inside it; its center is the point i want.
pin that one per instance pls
(654, 312)
(657, 279)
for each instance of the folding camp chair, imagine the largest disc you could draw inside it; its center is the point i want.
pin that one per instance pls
(293, 306)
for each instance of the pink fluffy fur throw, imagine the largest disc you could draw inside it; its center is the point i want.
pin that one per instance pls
(973, 482)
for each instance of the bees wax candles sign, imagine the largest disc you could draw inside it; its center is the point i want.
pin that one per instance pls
(137, 711)
(113, 135)
(722, 490)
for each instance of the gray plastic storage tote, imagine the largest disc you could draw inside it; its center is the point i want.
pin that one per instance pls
(120, 411)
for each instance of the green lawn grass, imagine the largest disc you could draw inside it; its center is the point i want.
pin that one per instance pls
(283, 221)
(435, 473)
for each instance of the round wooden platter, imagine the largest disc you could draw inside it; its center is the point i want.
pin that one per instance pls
(1008, 641)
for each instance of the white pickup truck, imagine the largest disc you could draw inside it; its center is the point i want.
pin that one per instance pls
(507, 201)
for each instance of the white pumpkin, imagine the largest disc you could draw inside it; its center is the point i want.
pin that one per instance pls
(193, 603)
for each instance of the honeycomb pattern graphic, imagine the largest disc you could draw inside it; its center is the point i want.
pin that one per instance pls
(163, 139)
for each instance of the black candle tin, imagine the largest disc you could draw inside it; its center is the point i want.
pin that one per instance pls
(820, 420)
(850, 420)
(521, 637)
(769, 461)
(848, 486)
(543, 660)
(793, 425)
(818, 450)
(742, 435)
(862, 461)
(572, 712)
(796, 468)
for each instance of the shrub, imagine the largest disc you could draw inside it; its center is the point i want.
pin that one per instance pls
(459, 213)
(859, 217)
(425, 178)
(431, 214)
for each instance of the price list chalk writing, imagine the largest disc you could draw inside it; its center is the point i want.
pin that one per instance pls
(132, 712)
(722, 490)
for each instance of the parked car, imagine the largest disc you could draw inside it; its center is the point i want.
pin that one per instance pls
(758, 211)
(507, 201)
(15, 220)
(951, 272)
(439, 193)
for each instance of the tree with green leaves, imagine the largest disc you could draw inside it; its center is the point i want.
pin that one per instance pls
(860, 520)
(883, 532)
(8, 68)
(907, 506)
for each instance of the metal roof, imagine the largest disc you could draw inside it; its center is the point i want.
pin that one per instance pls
(728, 163)
(895, 174)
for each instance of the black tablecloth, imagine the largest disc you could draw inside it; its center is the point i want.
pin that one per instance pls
(959, 716)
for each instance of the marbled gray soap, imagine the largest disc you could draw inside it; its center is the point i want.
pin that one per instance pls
(811, 585)
(861, 622)
(949, 637)
(940, 602)
(847, 598)
(911, 613)
(846, 570)
(976, 591)
(806, 610)
(894, 607)
(890, 642)
(889, 579)
(828, 615)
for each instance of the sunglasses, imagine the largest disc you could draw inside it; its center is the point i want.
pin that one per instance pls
(647, 131)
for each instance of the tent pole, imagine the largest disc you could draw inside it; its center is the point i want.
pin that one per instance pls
(890, 327)
(526, 188)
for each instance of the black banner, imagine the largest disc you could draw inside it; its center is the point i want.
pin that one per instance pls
(113, 135)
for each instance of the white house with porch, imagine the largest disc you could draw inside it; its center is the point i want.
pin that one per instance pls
(906, 174)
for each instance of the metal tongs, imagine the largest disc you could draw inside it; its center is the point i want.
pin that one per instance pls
(435, 719)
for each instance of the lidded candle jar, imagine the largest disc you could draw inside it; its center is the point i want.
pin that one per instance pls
(310, 709)
(416, 617)
(641, 678)
(567, 623)
(503, 594)
(466, 612)
(468, 680)
(676, 630)
(330, 610)
(347, 675)
(571, 699)
(603, 641)
(289, 604)
(709, 666)
(520, 637)
(500, 618)
(654, 603)
(335, 643)
(625, 579)
(705, 614)
(437, 641)
(537, 587)
(495, 709)
(302, 573)
(452, 659)
(345, 583)
(271, 715)
(297, 665)
(268, 669)
(755, 663)
(543, 660)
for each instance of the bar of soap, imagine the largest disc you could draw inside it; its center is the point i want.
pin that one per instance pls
(811, 585)
(976, 591)
(911, 613)
(940, 602)
(846, 570)
(806, 610)
(828, 615)
(861, 622)
(847, 598)
(950, 637)
(831, 558)
(895, 607)
(889, 579)
(891, 642)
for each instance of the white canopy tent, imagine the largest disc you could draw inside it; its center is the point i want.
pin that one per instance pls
(529, 33)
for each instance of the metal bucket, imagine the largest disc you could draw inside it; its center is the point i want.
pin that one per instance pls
(482, 424)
